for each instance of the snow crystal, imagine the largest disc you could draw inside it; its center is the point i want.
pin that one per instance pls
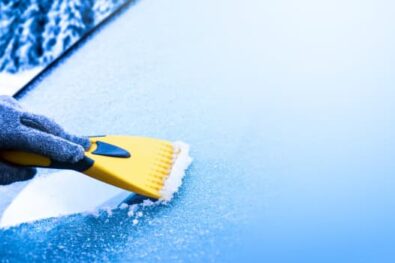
(123, 206)
(130, 213)
(148, 202)
(108, 210)
(132, 210)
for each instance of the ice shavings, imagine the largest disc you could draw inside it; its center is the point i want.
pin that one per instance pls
(148, 202)
(174, 180)
(132, 210)
(108, 211)
(171, 185)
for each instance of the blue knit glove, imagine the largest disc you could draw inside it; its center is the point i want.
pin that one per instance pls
(21, 130)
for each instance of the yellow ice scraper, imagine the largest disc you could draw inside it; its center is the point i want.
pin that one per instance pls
(137, 164)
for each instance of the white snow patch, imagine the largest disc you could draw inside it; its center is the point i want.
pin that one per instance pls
(57, 194)
(11, 83)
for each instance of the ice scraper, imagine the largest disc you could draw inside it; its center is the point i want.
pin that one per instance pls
(138, 164)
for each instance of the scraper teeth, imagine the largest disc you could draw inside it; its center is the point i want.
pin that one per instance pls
(163, 171)
(154, 187)
(163, 168)
(167, 160)
(157, 175)
(167, 145)
(165, 157)
(156, 182)
(167, 150)
(161, 163)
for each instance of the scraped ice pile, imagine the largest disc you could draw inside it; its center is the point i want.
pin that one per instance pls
(65, 192)
(174, 180)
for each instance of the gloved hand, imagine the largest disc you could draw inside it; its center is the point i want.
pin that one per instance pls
(21, 130)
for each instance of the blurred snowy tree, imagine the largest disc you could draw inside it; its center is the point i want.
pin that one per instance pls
(35, 32)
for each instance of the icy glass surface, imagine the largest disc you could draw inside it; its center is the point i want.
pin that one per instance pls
(288, 108)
